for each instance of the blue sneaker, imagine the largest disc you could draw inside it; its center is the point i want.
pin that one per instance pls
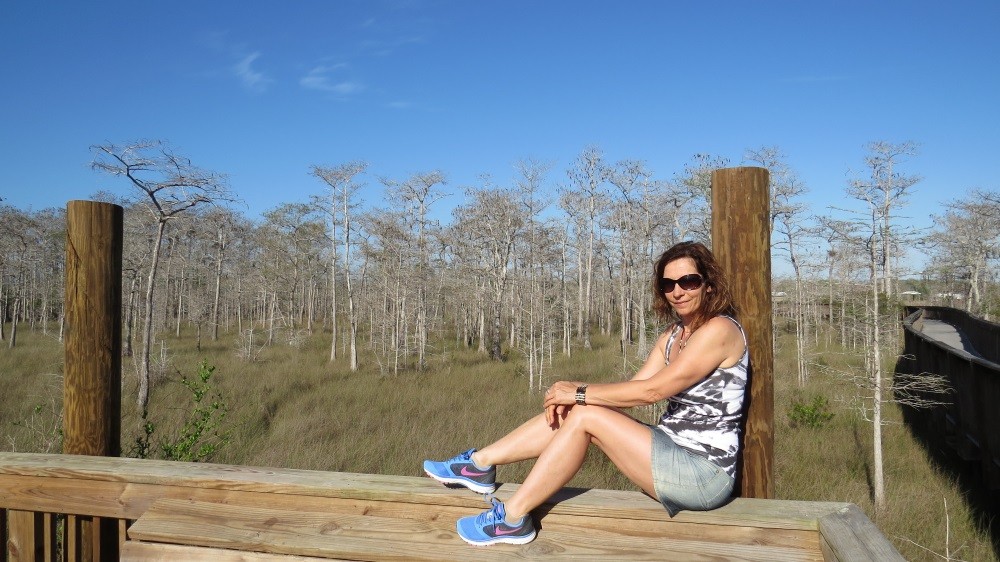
(461, 470)
(489, 528)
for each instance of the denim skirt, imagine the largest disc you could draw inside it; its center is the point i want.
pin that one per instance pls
(686, 480)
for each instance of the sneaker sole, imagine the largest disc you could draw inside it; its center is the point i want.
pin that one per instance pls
(509, 540)
(474, 486)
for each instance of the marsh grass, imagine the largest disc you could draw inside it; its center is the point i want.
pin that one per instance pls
(291, 408)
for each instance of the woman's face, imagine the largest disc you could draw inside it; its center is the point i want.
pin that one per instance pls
(685, 302)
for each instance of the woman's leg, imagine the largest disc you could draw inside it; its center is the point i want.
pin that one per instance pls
(525, 442)
(627, 443)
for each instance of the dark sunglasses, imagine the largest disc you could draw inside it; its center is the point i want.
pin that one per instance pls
(688, 282)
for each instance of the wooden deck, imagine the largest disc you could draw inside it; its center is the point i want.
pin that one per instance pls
(195, 511)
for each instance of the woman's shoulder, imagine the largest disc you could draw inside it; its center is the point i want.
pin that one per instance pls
(728, 333)
(723, 323)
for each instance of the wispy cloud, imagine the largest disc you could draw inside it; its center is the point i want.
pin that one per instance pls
(326, 78)
(252, 79)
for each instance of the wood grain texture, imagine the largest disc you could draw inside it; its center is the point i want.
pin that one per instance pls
(25, 536)
(50, 479)
(741, 241)
(134, 551)
(366, 537)
(92, 372)
(848, 535)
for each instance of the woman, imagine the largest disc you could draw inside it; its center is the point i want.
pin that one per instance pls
(687, 461)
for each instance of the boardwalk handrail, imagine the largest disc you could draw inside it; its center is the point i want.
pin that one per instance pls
(969, 418)
(354, 508)
(982, 334)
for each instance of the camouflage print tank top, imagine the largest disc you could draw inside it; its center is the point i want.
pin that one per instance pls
(705, 418)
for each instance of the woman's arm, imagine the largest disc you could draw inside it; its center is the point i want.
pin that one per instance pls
(655, 360)
(718, 342)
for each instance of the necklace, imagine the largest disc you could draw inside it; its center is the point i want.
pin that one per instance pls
(683, 342)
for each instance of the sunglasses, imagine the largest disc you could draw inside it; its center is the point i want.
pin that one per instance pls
(688, 282)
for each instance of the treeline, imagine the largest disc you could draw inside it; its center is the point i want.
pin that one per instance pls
(529, 267)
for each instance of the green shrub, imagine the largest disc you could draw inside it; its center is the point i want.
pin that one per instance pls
(813, 415)
(201, 435)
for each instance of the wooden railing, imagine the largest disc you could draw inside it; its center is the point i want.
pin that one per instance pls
(969, 419)
(195, 511)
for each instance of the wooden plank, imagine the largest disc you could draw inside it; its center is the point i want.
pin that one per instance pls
(80, 477)
(848, 535)
(595, 526)
(3, 534)
(50, 530)
(120, 500)
(123, 489)
(134, 551)
(25, 536)
(130, 501)
(377, 538)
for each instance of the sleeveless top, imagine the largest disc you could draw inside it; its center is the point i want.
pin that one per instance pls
(705, 418)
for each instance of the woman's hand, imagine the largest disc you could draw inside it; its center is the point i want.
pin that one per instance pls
(559, 398)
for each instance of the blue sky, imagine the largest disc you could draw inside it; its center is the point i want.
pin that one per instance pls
(261, 91)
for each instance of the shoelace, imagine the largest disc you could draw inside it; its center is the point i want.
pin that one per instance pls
(493, 516)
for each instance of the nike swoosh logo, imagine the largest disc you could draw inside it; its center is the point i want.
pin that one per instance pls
(466, 472)
(500, 532)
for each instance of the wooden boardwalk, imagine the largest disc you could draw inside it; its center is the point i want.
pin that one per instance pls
(965, 350)
(195, 511)
(948, 334)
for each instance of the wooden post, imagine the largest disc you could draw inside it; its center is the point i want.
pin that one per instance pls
(92, 371)
(741, 241)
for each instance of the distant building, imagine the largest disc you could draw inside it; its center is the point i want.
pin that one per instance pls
(954, 296)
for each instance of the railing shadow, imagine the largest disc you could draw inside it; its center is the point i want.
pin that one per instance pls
(983, 502)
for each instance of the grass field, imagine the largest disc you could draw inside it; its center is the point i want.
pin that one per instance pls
(291, 408)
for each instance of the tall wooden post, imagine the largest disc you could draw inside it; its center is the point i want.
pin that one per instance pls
(741, 241)
(93, 351)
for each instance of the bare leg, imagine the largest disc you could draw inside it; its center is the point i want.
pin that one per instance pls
(525, 442)
(626, 442)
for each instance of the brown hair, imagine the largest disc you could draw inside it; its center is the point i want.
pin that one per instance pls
(717, 301)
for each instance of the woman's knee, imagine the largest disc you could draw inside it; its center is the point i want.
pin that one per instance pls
(588, 418)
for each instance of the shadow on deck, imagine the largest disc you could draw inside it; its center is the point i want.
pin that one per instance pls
(190, 511)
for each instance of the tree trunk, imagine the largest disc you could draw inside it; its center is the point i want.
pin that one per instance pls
(13, 325)
(351, 316)
(218, 283)
(130, 315)
(876, 366)
(142, 400)
(333, 286)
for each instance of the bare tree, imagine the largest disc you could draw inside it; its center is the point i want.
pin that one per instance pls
(388, 248)
(531, 175)
(880, 198)
(629, 222)
(170, 185)
(495, 220)
(588, 175)
(340, 180)
(692, 199)
(966, 241)
(19, 230)
(417, 194)
(886, 191)
(291, 252)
